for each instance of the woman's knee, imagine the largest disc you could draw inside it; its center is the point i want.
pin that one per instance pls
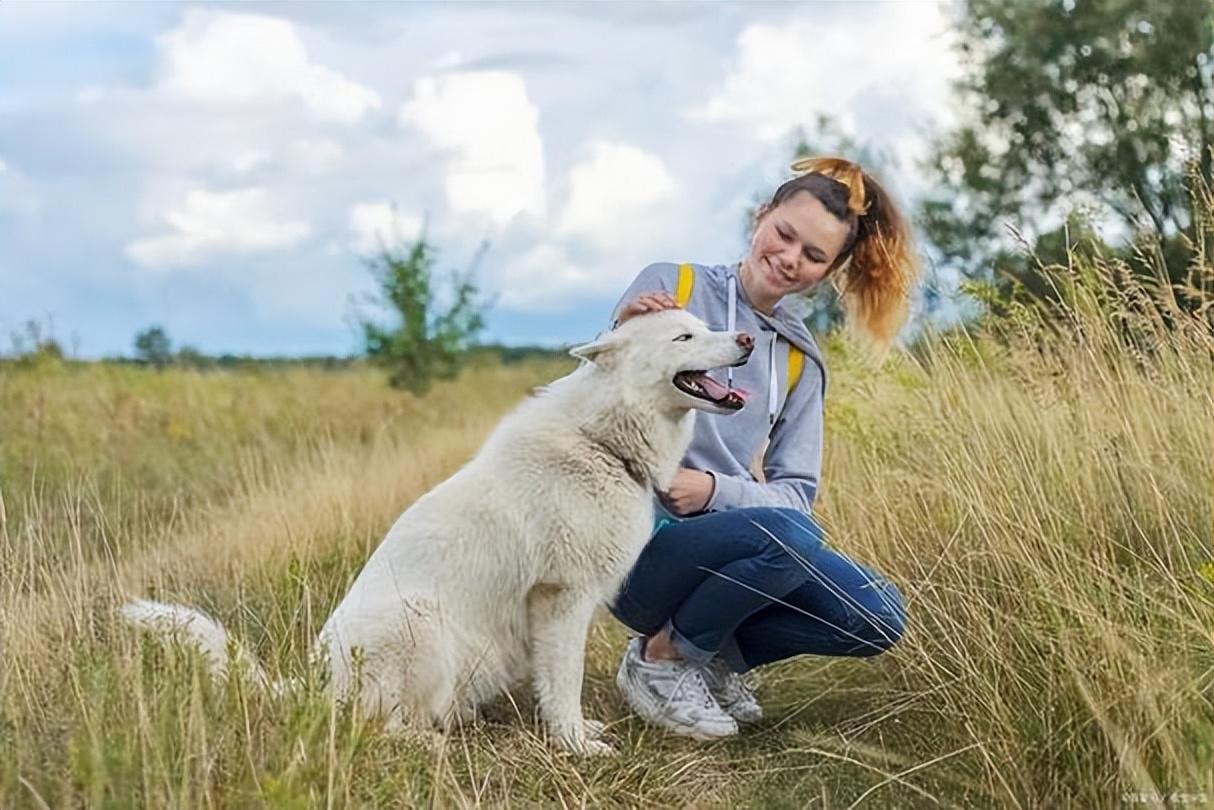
(883, 624)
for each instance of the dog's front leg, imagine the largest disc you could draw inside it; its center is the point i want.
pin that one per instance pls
(559, 619)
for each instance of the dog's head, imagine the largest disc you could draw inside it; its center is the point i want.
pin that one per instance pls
(672, 351)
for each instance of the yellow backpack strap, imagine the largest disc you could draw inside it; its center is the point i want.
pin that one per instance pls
(687, 280)
(796, 361)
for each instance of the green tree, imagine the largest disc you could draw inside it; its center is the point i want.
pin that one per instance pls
(152, 346)
(190, 357)
(429, 333)
(1100, 105)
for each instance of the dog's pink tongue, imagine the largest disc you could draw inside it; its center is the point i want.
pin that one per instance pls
(718, 391)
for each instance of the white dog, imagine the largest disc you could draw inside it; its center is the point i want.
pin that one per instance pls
(495, 573)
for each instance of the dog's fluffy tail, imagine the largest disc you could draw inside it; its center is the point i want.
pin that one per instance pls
(185, 624)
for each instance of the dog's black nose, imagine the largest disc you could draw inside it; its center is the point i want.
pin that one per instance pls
(746, 341)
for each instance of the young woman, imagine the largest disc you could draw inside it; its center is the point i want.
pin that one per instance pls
(738, 574)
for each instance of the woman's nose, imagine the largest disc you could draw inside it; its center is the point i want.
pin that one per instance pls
(745, 341)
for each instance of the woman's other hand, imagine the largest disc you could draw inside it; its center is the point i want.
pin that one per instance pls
(690, 492)
(646, 302)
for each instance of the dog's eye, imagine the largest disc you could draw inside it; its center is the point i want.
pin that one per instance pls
(682, 337)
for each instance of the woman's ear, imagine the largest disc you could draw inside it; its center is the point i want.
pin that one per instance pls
(599, 351)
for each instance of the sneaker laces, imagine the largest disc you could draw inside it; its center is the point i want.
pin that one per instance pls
(732, 686)
(691, 686)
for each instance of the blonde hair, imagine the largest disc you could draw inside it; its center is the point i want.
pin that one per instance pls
(877, 268)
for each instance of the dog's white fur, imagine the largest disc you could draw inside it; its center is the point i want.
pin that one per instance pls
(495, 573)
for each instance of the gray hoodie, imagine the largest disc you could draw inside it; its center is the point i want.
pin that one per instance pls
(725, 445)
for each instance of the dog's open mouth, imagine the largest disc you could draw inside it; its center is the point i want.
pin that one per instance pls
(699, 385)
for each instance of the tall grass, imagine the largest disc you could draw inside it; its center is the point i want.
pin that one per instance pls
(1047, 497)
(1040, 491)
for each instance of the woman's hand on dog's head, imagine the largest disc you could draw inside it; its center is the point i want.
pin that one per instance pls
(644, 303)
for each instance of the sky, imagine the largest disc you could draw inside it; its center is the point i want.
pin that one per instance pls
(221, 169)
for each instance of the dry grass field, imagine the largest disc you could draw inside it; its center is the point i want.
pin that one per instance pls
(1043, 500)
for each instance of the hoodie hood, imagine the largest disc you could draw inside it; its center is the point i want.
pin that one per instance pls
(786, 324)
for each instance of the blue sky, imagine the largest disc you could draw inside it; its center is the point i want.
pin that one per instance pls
(218, 169)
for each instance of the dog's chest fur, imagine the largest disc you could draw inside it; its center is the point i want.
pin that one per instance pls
(586, 467)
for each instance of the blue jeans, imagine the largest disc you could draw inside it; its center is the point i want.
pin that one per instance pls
(756, 586)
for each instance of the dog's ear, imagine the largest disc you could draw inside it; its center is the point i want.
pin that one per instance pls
(599, 351)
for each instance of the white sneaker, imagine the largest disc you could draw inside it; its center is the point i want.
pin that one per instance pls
(732, 692)
(673, 695)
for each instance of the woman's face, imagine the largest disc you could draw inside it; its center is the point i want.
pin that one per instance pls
(793, 246)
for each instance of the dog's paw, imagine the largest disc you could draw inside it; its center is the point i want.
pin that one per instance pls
(589, 748)
(597, 748)
(587, 743)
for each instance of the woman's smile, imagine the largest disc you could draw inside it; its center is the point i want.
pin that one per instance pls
(775, 276)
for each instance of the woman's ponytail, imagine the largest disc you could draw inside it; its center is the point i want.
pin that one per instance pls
(881, 270)
(877, 269)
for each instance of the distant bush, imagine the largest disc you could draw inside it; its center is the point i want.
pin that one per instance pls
(431, 333)
(153, 347)
(35, 345)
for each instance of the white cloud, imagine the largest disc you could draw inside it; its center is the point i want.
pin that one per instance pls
(378, 223)
(490, 128)
(616, 194)
(617, 216)
(247, 160)
(887, 72)
(544, 278)
(209, 223)
(247, 59)
(3, 166)
(449, 61)
(315, 154)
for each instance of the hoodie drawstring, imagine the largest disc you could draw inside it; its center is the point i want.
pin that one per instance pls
(773, 387)
(732, 323)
